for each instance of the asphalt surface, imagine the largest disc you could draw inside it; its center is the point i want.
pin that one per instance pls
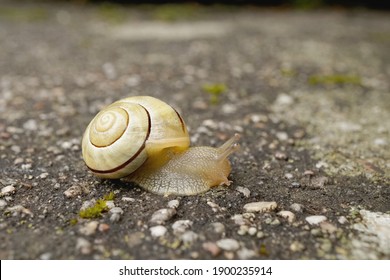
(307, 91)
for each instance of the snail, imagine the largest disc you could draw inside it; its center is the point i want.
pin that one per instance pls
(144, 140)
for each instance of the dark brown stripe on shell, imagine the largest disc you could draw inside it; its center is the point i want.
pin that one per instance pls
(127, 123)
(123, 165)
(181, 120)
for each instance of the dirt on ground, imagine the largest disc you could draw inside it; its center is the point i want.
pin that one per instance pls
(308, 91)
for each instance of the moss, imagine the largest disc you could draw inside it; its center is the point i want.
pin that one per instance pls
(98, 208)
(334, 80)
(171, 244)
(215, 90)
(263, 250)
(175, 12)
(306, 4)
(111, 13)
(380, 37)
(287, 72)
(73, 222)
(24, 15)
(109, 196)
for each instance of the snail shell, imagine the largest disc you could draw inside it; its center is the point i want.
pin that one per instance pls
(114, 143)
(144, 140)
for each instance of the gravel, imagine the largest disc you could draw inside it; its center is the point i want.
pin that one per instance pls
(73, 191)
(310, 180)
(83, 246)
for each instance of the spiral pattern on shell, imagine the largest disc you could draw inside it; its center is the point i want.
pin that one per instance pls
(114, 143)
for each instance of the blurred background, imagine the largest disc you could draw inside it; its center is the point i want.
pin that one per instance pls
(306, 84)
(302, 4)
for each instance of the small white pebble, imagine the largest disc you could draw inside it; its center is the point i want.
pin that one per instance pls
(19, 210)
(296, 207)
(110, 204)
(45, 256)
(212, 204)
(290, 216)
(218, 227)
(244, 254)
(26, 166)
(18, 160)
(16, 149)
(245, 191)
(3, 203)
(282, 136)
(90, 228)
(239, 219)
(229, 109)
(43, 175)
(116, 210)
(380, 142)
(297, 246)
(260, 234)
(252, 231)
(109, 71)
(284, 100)
(210, 123)
(228, 244)
(158, 231)
(7, 190)
(66, 145)
(189, 236)
(84, 246)
(31, 125)
(87, 204)
(173, 203)
(162, 215)
(128, 199)
(116, 213)
(256, 118)
(73, 191)
(316, 219)
(342, 220)
(180, 226)
(243, 230)
(261, 206)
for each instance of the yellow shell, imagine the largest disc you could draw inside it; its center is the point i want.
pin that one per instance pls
(124, 134)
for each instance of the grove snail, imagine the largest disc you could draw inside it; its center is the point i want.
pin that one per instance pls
(144, 140)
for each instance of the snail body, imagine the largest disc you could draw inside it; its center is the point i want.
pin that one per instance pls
(144, 140)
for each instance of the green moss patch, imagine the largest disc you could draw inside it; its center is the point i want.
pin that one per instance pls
(98, 208)
(112, 13)
(215, 90)
(335, 80)
(175, 12)
(24, 14)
